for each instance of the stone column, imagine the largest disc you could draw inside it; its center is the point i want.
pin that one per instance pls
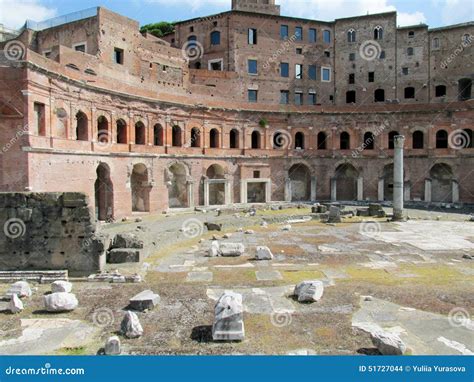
(455, 191)
(428, 190)
(360, 188)
(287, 190)
(227, 193)
(243, 191)
(399, 142)
(407, 191)
(190, 195)
(206, 192)
(381, 188)
(313, 188)
(268, 191)
(333, 189)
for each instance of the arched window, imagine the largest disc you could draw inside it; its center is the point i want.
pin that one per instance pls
(234, 139)
(121, 131)
(442, 139)
(436, 43)
(418, 139)
(351, 96)
(176, 137)
(103, 134)
(379, 95)
(410, 92)
(255, 140)
(378, 33)
(345, 141)
(351, 35)
(391, 139)
(369, 141)
(299, 140)
(215, 38)
(468, 141)
(192, 41)
(214, 138)
(140, 133)
(467, 39)
(195, 137)
(322, 141)
(158, 135)
(440, 91)
(410, 51)
(81, 126)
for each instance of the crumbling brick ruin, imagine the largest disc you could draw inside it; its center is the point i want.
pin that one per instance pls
(273, 108)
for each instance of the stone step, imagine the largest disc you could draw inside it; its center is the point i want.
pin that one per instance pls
(42, 277)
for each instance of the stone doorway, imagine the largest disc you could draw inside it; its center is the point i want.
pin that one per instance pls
(104, 194)
(140, 186)
(300, 183)
(177, 186)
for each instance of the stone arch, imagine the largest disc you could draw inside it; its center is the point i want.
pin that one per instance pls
(369, 140)
(195, 137)
(300, 182)
(82, 126)
(322, 140)
(104, 193)
(234, 139)
(344, 141)
(103, 132)
(441, 175)
(215, 185)
(441, 139)
(140, 133)
(256, 140)
(158, 134)
(346, 176)
(176, 136)
(177, 174)
(379, 95)
(140, 185)
(299, 140)
(214, 138)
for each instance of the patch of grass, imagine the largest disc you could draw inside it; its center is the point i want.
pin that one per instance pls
(375, 276)
(290, 211)
(166, 277)
(295, 277)
(234, 276)
(436, 274)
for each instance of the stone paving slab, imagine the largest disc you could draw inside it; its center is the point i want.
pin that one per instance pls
(268, 275)
(199, 277)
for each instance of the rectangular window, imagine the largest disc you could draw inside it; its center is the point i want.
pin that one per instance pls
(327, 36)
(405, 71)
(215, 64)
(39, 118)
(382, 55)
(252, 67)
(312, 72)
(252, 95)
(325, 74)
(284, 69)
(371, 76)
(312, 98)
(299, 51)
(80, 47)
(327, 53)
(298, 98)
(299, 33)
(352, 56)
(283, 32)
(312, 35)
(118, 56)
(252, 36)
(47, 53)
(298, 71)
(256, 174)
(284, 97)
(352, 78)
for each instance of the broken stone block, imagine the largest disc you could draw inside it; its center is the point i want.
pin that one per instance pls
(145, 300)
(214, 250)
(388, 343)
(112, 346)
(130, 326)
(286, 227)
(334, 215)
(15, 305)
(363, 212)
(127, 240)
(20, 288)
(264, 253)
(61, 286)
(264, 224)
(228, 320)
(231, 249)
(123, 255)
(60, 302)
(249, 232)
(227, 236)
(213, 227)
(309, 291)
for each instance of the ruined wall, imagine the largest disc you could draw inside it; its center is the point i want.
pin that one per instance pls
(53, 231)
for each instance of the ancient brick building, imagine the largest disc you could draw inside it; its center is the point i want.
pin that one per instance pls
(246, 106)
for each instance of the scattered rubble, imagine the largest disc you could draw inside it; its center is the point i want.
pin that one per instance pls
(263, 253)
(145, 300)
(15, 305)
(130, 325)
(388, 343)
(112, 346)
(60, 302)
(228, 322)
(309, 291)
(20, 288)
(61, 286)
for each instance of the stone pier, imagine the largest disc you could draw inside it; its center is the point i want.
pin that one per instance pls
(398, 178)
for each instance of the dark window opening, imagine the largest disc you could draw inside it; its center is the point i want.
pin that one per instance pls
(418, 140)
(442, 139)
(369, 141)
(440, 91)
(391, 139)
(379, 95)
(322, 141)
(345, 141)
(118, 56)
(256, 140)
(351, 96)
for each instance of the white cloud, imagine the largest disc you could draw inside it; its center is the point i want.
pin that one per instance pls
(194, 5)
(15, 12)
(454, 11)
(405, 19)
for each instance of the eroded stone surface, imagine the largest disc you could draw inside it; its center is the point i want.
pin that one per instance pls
(60, 302)
(61, 286)
(145, 300)
(309, 291)
(228, 318)
(130, 326)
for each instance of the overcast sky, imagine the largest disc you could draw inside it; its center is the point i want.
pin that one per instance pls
(435, 13)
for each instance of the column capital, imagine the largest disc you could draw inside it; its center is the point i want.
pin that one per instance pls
(399, 141)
